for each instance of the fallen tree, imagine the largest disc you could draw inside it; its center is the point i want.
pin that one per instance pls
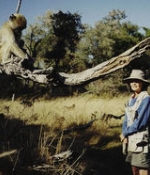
(50, 75)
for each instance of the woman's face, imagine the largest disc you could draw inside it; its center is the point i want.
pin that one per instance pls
(136, 85)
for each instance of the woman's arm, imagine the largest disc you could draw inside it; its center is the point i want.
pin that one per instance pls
(141, 121)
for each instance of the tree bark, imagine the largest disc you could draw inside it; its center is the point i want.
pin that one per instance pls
(50, 75)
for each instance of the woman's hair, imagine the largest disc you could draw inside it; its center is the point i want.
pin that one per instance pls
(145, 86)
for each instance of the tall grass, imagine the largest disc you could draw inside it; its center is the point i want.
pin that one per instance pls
(64, 110)
(40, 134)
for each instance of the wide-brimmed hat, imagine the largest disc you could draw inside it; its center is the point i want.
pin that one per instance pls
(137, 75)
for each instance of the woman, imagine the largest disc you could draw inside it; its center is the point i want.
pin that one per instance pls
(136, 125)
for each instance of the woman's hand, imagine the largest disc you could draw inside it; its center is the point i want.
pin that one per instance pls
(123, 139)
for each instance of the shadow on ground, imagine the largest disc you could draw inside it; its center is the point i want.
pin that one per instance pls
(16, 135)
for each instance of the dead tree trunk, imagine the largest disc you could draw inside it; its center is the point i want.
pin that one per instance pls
(50, 75)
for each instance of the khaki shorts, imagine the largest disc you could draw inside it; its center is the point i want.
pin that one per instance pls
(141, 160)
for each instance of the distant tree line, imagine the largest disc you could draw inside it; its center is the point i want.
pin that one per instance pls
(61, 40)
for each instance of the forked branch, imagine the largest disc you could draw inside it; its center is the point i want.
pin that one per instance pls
(50, 75)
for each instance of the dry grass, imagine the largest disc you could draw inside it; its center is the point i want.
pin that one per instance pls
(73, 109)
(58, 115)
(62, 113)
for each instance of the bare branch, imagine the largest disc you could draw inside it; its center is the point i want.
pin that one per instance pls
(50, 75)
(107, 67)
(8, 153)
(18, 6)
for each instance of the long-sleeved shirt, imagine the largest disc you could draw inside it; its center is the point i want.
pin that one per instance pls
(141, 121)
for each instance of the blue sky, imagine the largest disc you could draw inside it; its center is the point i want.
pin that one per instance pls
(137, 11)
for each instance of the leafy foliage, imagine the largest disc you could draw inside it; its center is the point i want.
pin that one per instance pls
(110, 37)
(62, 41)
(67, 28)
